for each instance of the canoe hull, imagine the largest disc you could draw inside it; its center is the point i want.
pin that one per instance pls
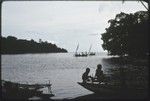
(98, 88)
(115, 91)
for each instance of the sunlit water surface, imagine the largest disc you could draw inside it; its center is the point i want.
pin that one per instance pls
(62, 69)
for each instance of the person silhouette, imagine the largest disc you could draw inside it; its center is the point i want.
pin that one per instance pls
(99, 74)
(85, 76)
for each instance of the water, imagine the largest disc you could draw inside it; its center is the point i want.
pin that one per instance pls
(62, 69)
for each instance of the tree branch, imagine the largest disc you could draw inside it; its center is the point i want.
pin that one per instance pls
(143, 4)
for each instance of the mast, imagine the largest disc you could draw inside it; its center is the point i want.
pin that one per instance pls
(90, 49)
(77, 49)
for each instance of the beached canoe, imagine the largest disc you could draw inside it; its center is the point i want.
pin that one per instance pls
(13, 90)
(114, 91)
(102, 88)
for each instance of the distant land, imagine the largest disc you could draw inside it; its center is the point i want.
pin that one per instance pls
(12, 45)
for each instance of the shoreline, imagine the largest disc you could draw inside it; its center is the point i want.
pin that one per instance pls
(89, 97)
(31, 53)
(137, 62)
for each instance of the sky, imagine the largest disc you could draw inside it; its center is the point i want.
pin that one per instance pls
(64, 23)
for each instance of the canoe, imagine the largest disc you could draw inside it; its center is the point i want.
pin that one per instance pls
(81, 55)
(100, 88)
(112, 91)
(91, 54)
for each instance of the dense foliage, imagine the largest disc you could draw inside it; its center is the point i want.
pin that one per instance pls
(127, 35)
(12, 45)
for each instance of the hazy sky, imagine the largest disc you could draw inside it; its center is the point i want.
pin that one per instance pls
(65, 23)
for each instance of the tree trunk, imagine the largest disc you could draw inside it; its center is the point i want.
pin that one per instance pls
(149, 8)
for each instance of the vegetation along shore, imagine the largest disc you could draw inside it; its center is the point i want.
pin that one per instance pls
(12, 45)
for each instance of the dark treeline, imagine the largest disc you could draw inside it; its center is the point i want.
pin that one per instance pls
(127, 35)
(12, 45)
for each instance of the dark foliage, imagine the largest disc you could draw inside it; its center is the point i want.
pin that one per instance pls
(12, 45)
(131, 75)
(127, 35)
(12, 91)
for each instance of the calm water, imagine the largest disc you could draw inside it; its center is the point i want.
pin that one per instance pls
(62, 69)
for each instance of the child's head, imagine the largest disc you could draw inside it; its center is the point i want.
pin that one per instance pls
(87, 69)
(99, 66)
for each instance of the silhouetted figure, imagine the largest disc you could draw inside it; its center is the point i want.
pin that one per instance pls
(99, 73)
(85, 76)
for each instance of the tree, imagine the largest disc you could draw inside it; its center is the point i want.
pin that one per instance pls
(12, 45)
(127, 35)
(147, 1)
(40, 40)
(11, 38)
